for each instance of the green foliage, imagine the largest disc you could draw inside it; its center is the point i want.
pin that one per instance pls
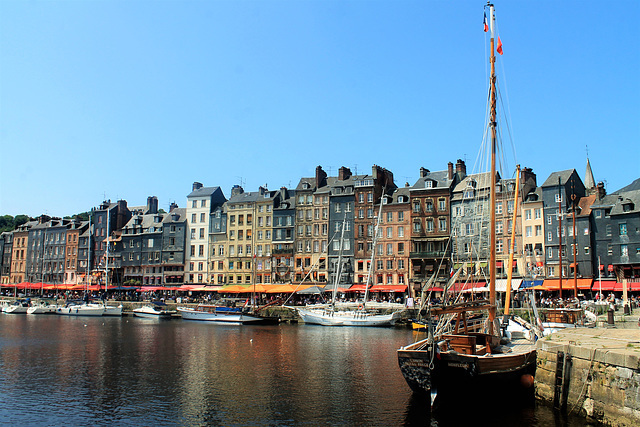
(132, 282)
(84, 216)
(9, 223)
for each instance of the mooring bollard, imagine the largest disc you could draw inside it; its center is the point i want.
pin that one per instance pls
(610, 319)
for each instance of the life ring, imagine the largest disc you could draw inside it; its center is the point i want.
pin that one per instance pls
(360, 307)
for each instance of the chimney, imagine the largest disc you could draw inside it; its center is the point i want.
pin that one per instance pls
(424, 172)
(461, 168)
(196, 186)
(344, 173)
(152, 205)
(123, 215)
(173, 206)
(321, 177)
(450, 170)
(600, 190)
(236, 190)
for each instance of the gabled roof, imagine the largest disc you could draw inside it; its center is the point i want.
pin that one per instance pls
(203, 192)
(635, 185)
(482, 180)
(441, 179)
(404, 191)
(181, 212)
(310, 181)
(248, 197)
(552, 180)
(629, 198)
(584, 205)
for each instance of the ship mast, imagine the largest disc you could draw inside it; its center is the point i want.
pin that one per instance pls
(492, 188)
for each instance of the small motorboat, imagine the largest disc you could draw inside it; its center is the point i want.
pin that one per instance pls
(154, 310)
(17, 307)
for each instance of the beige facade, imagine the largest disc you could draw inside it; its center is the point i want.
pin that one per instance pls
(533, 235)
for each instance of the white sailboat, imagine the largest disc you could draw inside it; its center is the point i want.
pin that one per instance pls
(218, 314)
(331, 315)
(79, 308)
(42, 307)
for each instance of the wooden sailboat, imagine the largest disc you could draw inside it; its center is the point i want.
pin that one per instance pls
(456, 359)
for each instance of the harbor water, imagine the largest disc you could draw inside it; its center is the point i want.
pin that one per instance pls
(74, 371)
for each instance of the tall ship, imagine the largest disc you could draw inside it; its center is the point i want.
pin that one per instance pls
(466, 352)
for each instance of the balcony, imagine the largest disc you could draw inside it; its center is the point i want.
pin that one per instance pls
(428, 254)
(283, 251)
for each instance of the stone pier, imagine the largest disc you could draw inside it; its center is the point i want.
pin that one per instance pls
(594, 372)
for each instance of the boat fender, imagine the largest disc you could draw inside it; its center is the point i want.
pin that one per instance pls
(527, 380)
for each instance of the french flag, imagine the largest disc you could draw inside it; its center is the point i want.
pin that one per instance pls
(486, 27)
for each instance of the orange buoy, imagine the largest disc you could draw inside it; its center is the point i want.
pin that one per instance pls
(527, 380)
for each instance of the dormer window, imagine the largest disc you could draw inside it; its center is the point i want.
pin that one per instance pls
(428, 184)
(306, 186)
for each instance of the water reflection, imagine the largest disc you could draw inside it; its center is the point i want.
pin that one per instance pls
(58, 370)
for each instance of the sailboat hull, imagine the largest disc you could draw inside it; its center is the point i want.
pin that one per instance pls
(452, 373)
(218, 315)
(347, 318)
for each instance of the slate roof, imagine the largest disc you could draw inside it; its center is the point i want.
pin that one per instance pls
(441, 179)
(203, 192)
(552, 180)
(635, 185)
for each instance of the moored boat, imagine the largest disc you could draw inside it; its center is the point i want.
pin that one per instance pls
(42, 307)
(79, 308)
(154, 310)
(110, 310)
(16, 307)
(218, 314)
(458, 360)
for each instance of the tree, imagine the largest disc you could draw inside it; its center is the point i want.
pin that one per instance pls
(9, 223)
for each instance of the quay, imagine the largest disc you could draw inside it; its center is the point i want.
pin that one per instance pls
(593, 372)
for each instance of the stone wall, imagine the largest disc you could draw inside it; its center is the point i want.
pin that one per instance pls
(601, 383)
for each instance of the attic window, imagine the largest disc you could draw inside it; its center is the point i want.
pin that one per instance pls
(428, 184)
(627, 207)
(306, 185)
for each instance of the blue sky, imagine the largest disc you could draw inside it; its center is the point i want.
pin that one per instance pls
(128, 99)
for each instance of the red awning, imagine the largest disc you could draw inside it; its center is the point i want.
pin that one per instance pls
(601, 267)
(567, 284)
(498, 264)
(460, 287)
(357, 288)
(610, 285)
(388, 288)
(610, 268)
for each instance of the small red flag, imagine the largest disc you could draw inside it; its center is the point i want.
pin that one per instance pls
(499, 48)
(486, 27)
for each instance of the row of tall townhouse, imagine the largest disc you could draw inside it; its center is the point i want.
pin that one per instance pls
(326, 225)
